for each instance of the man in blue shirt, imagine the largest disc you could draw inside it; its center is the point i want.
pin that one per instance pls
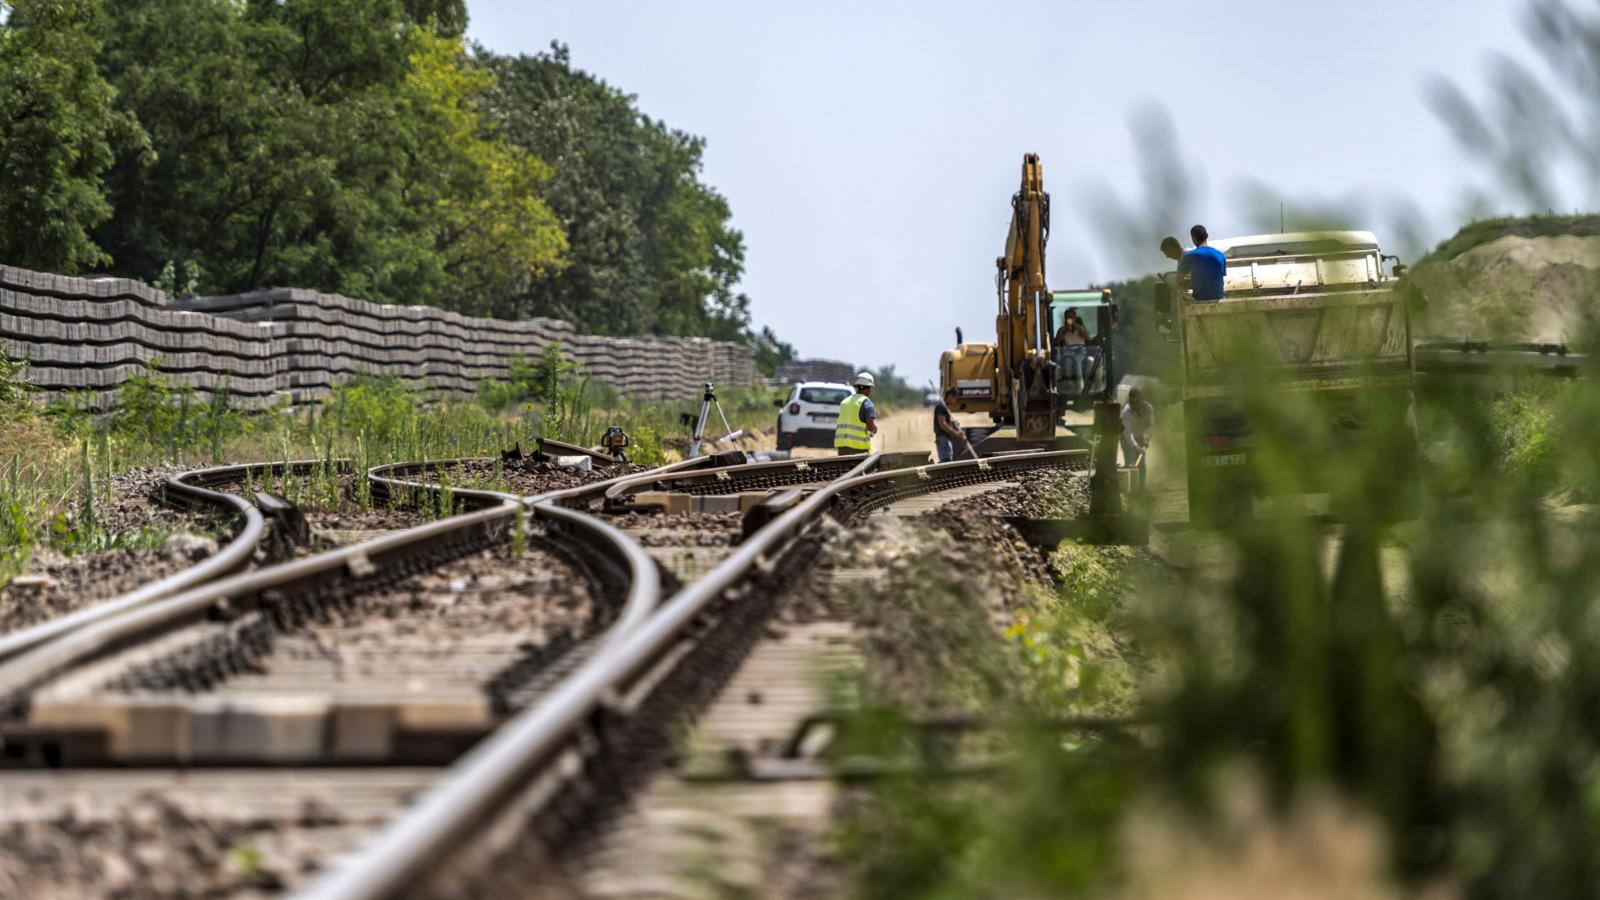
(1204, 265)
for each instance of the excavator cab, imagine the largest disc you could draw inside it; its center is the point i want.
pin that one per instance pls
(1082, 371)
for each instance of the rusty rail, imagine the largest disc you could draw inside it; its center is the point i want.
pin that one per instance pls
(354, 567)
(190, 490)
(492, 779)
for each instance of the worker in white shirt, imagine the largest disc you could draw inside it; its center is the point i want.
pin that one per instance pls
(1138, 421)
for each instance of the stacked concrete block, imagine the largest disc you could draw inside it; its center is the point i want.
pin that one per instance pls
(91, 288)
(91, 334)
(799, 370)
(329, 337)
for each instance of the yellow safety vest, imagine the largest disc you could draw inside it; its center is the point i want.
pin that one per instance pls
(851, 432)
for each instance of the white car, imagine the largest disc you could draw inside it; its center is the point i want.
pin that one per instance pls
(809, 415)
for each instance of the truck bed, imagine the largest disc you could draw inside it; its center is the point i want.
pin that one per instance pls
(1305, 339)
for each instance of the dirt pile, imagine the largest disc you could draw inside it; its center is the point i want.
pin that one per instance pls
(1514, 288)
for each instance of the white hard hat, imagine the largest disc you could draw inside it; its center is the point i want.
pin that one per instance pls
(864, 380)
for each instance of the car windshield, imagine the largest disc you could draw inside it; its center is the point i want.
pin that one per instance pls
(828, 396)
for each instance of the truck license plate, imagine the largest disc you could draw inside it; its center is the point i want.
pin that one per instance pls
(823, 417)
(1225, 459)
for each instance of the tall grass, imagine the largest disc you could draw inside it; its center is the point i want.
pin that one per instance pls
(60, 458)
(1433, 675)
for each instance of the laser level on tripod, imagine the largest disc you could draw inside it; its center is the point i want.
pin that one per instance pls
(616, 441)
(707, 401)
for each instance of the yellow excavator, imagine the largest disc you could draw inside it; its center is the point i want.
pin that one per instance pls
(1014, 379)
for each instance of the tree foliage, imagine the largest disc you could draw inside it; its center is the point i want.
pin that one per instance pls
(56, 123)
(323, 143)
(891, 389)
(769, 351)
(652, 249)
(354, 146)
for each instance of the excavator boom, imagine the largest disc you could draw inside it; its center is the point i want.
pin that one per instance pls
(1026, 372)
(1014, 379)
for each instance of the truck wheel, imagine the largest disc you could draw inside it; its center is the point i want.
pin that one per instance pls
(783, 439)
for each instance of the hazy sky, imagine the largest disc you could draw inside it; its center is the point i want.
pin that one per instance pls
(870, 150)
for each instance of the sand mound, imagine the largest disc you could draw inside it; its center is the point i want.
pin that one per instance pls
(1514, 289)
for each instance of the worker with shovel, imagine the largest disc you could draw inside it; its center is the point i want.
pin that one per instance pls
(948, 439)
(1138, 421)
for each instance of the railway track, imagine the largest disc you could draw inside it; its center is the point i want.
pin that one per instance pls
(306, 726)
(200, 492)
(547, 781)
(282, 667)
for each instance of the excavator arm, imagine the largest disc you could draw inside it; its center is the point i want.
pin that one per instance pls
(1026, 376)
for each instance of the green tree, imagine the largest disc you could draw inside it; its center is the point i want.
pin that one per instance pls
(333, 144)
(448, 18)
(490, 231)
(646, 235)
(57, 122)
(770, 353)
(891, 389)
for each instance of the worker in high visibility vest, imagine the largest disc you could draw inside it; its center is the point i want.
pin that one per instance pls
(858, 421)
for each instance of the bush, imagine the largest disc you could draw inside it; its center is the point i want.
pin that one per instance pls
(541, 381)
(16, 401)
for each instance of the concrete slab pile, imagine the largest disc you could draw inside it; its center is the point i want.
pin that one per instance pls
(91, 334)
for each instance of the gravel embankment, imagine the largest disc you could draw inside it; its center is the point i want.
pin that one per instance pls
(695, 530)
(55, 584)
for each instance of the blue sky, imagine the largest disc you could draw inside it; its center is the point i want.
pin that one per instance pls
(869, 150)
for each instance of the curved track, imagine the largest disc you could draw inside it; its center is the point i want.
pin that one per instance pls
(194, 491)
(219, 674)
(559, 729)
(589, 741)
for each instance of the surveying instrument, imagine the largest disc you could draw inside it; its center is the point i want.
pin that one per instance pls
(616, 441)
(707, 401)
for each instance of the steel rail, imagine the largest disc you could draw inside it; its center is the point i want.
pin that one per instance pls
(390, 481)
(448, 814)
(589, 494)
(779, 472)
(362, 562)
(189, 490)
(483, 783)
(559, 510)
(394, 479)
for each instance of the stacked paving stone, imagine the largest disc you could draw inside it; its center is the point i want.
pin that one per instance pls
(93, 334)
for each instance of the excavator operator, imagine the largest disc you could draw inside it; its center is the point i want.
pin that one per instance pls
(858, 421)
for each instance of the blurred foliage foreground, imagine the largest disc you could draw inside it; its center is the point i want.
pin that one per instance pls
(1402, 700)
